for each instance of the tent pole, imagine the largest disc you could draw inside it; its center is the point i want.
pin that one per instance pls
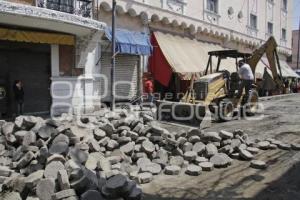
(113, 57)
(298, 46)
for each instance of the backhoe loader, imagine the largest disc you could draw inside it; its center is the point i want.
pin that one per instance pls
(216, 93)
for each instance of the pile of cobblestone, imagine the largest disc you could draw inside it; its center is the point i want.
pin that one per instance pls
(104, 156)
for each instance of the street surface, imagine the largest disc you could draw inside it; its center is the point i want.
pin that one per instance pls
(281, 180)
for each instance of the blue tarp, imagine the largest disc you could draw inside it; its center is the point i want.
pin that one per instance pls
(130, 42)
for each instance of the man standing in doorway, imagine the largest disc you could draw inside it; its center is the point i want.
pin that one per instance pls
(19, 97)
(247, 78)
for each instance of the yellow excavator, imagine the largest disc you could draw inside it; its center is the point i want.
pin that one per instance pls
(216, 92)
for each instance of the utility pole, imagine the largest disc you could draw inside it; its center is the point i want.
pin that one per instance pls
(298, 45)
(113, 57)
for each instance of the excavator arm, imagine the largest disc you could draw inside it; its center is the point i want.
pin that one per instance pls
(189, 96)
(270, 49)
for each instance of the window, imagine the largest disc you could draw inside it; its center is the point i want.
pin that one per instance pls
(253, 21)
(270, 28)
(283, 34)
(212, 5)
(284, 5)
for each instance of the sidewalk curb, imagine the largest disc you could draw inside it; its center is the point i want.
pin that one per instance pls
(277, 97)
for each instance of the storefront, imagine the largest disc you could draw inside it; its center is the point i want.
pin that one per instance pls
(26, 56)
(130, 48)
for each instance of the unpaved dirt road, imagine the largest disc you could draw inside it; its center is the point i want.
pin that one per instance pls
(280, 181)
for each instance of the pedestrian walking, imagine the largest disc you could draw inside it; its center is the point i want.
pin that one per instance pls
(18, 97)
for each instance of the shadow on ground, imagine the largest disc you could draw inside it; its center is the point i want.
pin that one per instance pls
(287, 187)
(248, 185)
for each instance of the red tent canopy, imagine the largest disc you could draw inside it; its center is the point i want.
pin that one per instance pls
(159, 66)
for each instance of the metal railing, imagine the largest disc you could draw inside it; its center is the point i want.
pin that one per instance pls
(79, 7)
(82, 8)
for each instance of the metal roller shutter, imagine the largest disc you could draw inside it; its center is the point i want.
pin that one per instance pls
(126, 70)
(29, 63)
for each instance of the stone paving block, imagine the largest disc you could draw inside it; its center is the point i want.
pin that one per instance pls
(63, 180)
(220, 160)
(193, 170)
(199, 148)
(176, 160)
(5, 171)
(152, 168)
(284, 146)
(94, 146)
(116, 183)
(64, 194)
(190, 156)
(25, 160)
(144, 178)
(148, 147)
(92, 195)
(210, 150)
(172, 170)
(128, 148)
(78, 155)
(10, 196)
(32, 179)
(258, 164)
(225, 134)
(46, 132)
(264, 145)
(45, 189)
(53, 168)
(206, 166)
(295, 147)
(211, 137)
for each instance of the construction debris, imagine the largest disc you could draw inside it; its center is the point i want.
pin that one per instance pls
(103, 156)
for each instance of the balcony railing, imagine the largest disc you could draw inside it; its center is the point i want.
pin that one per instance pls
(82, 8)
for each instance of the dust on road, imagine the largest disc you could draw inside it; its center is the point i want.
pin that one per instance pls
(281, 180)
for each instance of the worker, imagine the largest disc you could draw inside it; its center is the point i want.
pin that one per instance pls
(298, 86)
(268, 84)
(286, 86)
(293, 86)
(148, 89)
(247, 78)
(19, 97)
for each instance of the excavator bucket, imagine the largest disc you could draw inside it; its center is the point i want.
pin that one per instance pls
(184, 113)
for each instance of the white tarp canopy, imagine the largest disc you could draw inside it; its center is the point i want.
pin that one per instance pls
(286, 70)
(189, 56)
(185, 56)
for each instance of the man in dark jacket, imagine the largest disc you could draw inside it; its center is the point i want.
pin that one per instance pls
(19, 97)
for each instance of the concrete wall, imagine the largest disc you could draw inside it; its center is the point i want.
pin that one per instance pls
(196, 21)
(295, 39)
(70, 88)
(16, 14)
(124, 20)
(266, 11)
(77, 93)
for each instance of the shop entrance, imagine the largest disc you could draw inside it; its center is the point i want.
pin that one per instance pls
(30, 63)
